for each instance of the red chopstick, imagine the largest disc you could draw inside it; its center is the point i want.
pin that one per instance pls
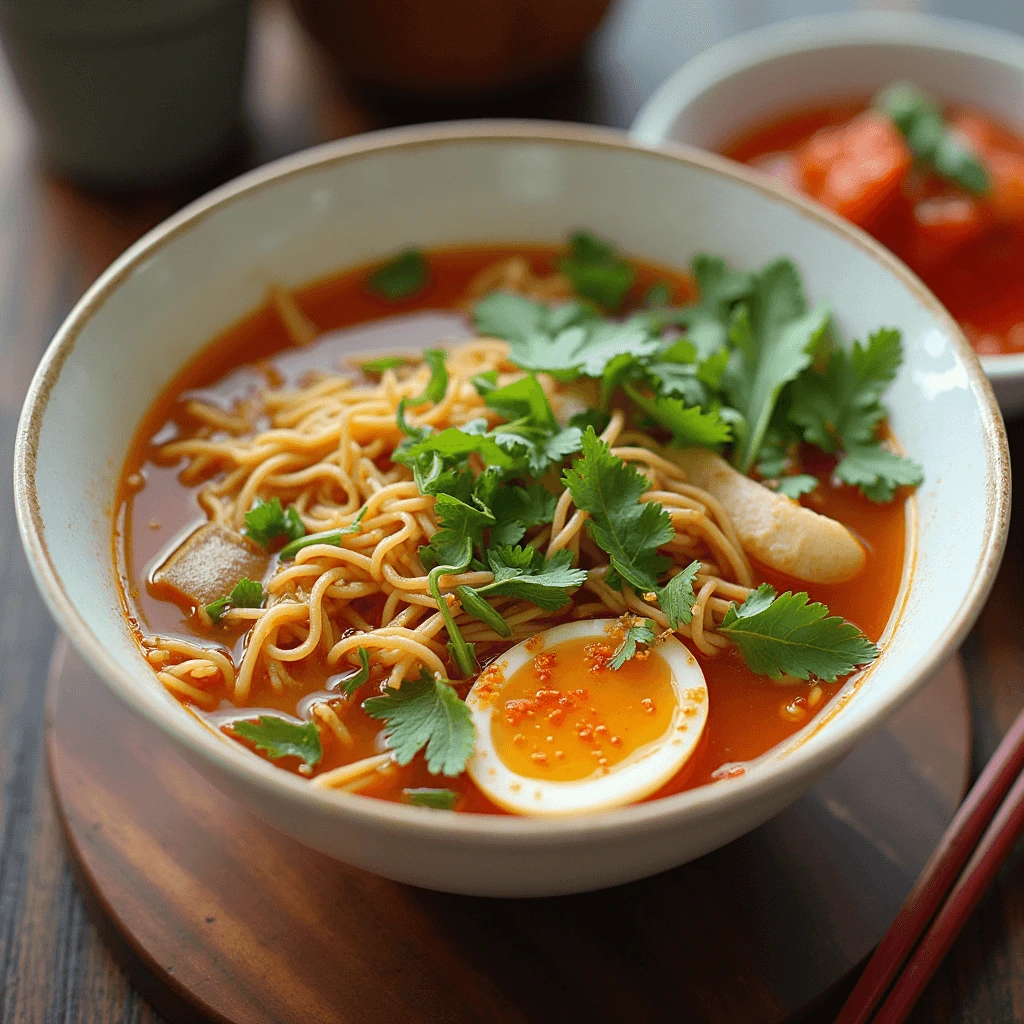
(939, 879)
(998, 841)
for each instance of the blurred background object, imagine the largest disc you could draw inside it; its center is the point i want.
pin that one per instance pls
(127, 93)
(452, 51)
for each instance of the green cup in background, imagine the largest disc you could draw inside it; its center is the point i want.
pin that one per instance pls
(130, 93)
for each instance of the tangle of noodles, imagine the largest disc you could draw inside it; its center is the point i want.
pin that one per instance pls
(324, 449)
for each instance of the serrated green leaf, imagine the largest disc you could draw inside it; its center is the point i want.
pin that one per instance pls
(461, 523)
(280, 738)
(267, 520)
(689, 426)
(247, 593)
(523, 573)
(677, 597)
(794, 486)
(639, 634)
(878, 471)
(629, 530)
(426, 713)
(785, 635)
(774, 336)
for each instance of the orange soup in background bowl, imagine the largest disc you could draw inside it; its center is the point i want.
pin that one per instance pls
(905, 125)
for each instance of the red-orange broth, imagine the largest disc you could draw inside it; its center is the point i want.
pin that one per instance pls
(969, 250)
(748, 714)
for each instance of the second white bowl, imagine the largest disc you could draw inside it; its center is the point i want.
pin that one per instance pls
(770, 71)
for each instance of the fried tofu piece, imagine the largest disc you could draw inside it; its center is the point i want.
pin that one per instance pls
(776, 530)
(209, 563)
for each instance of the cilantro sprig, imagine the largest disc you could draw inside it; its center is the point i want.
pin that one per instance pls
(596, 270)
(786, 635)
(246, 593)
(639, 632)
(629, 530)
(426, 714)
(436, 799)
(266, 521)
(279, 738)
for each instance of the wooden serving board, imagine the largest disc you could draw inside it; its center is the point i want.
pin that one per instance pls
(217, 917)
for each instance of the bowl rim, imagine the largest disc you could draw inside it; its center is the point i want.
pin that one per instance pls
(475, 829)
(800, 35)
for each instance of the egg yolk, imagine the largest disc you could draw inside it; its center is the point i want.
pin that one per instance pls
(567, 714)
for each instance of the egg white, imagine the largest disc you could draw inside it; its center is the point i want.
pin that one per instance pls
(633, 778)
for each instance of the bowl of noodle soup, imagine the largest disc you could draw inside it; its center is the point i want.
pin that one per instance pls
(297, 499)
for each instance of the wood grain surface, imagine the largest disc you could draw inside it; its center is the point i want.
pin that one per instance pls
(55, 239)
(217, 917)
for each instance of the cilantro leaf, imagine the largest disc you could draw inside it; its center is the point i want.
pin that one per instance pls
(629, 530)
(840, 406)
(794, 486)
(707, 320)
(437, 799)
(518, 509)
(522, 399)
(291, 549)
(677, 597)
(462, 523)
(524, 573)
(774, 336)
(878, 471)
(782, 634)
(350, 683)
(382, 364)
(596, 270)
(453, 443)
(642, 633)
(267, 520)
(280, 738)
(689, 426)
(590, 418)
(426, 713)
(437, 386)
(247, 593)
(401, 277)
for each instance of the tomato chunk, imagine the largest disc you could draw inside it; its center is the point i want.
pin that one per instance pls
(855, 169)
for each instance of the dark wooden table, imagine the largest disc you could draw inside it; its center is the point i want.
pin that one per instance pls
(54, 239)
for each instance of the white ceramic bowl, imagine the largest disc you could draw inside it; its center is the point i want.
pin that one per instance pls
(363, 198)
(795, 64)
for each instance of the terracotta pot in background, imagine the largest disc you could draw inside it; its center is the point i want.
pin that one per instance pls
(450, 50)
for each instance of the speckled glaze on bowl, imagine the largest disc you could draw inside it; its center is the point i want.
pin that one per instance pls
(805, 61)
(362, 198)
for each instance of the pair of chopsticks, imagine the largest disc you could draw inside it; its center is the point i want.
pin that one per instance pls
(982, 833)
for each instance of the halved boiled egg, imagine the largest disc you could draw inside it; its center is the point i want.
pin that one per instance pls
(559, 731)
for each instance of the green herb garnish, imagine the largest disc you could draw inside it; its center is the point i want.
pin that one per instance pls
(267, 520)
(292, 548)
(677, 597)
(930, 137)
(596, 270)
(629, 530)
(360, 677)
(643, 633)
(438, 383)
(247, 593)
(783, 634)
(401, 277)
(437, 799)
(382, 364)
(280, 738)
(426, 713)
